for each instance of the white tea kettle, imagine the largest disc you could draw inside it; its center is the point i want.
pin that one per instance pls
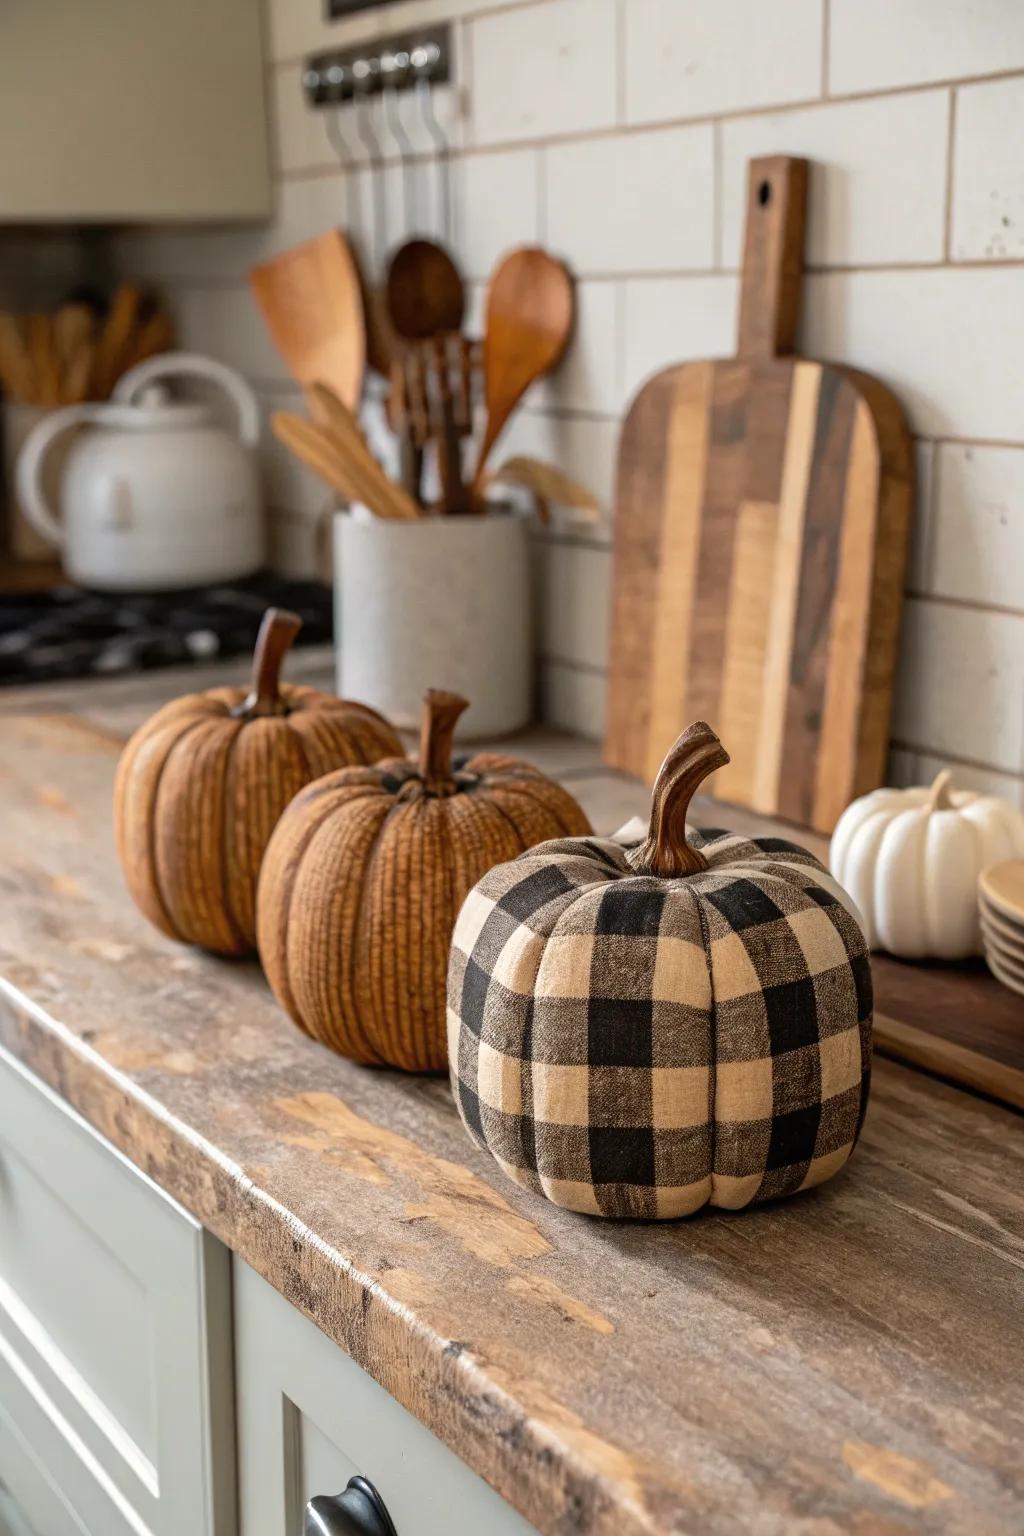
(157, 494)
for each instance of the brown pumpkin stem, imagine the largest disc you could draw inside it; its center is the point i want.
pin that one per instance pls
(939, 798)
(687, 764)
(441, 710)
(277, 631)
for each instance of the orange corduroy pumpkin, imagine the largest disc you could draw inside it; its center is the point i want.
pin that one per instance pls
(201, 784)
(364, 877)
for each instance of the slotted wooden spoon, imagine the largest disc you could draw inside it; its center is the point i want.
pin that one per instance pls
(528, 323)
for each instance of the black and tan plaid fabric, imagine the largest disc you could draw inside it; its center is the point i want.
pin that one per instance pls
(630, 1046)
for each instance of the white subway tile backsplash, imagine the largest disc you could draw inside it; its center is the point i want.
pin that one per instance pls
(877, 191)
(588, 377)
(960, 684)
(988, 184)
(978, 537)
(574, 604)
(637, 202)
(676, 319)
(574, 700)
(543, 69)
(877, 44)
(922, 534)
(688, 58)
(225, 324)
(949, 341)
(497, 201)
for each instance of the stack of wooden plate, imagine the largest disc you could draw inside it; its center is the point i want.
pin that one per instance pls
(1001, 905)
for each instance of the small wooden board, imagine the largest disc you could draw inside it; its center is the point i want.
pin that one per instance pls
(762, 517)
(956, 1020)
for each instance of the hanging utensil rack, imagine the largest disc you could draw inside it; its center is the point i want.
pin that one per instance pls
(399, 63)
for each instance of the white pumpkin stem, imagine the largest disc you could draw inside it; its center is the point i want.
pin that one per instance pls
(277, 631)
(940, 798)
(441, 711)
(696, 754)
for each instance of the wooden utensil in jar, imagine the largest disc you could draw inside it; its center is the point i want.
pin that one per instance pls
(311, 301)
(335, 448)
(403, 412)
(529, 320)
(425, 294)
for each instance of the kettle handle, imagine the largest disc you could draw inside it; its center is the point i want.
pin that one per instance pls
(231, 382)
(28, 478)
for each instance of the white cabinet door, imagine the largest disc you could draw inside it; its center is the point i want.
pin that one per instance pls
(309, 1419)
(116, 1400)
(139, 110)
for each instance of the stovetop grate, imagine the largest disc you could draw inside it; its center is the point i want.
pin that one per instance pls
(68, 632)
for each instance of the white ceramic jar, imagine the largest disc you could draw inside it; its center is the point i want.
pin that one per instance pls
(440, 602)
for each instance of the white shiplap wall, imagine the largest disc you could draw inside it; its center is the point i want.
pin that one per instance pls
(617, 131)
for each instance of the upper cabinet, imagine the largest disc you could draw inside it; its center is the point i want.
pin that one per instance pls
(132, 110)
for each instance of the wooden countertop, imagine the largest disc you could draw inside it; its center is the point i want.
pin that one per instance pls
(846, 1361)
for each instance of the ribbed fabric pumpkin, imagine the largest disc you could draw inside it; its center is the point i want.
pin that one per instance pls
(640, 1031)
(363, 878)
(200, 787)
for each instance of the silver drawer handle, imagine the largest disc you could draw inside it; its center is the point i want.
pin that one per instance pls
(359, 1511)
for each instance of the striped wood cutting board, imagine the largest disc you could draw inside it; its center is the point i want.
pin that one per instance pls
(762, 514)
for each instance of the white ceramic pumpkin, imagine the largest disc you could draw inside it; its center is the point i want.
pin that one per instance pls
(910, 858)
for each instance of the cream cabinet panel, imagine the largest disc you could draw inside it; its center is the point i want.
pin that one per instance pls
(116, 110)
(309, 1419)
(116, 1401)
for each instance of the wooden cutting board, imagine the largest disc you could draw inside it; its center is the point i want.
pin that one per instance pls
(762, 515)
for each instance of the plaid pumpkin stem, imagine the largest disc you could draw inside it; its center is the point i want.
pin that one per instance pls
(694, 755)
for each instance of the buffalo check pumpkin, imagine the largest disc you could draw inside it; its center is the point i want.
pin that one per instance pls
(640, 1031)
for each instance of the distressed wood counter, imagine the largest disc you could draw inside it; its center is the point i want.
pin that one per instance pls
(847, 1361)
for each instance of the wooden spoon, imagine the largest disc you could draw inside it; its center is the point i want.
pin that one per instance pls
(424, 291)
(311, 301)
(529, 319)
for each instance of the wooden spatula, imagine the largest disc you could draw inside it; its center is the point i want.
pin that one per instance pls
(761, 523)
(310, 299)
(529, 320)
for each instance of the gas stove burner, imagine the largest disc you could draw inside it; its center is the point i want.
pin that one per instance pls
(69, 632)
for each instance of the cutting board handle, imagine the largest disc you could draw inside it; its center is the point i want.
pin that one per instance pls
(773, 256)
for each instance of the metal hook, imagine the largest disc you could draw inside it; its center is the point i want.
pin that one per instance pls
(338, 80)
(394, 67)
(335, 86)
(423, 60)
(364, 71)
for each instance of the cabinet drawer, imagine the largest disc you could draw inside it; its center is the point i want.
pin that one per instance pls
(309, 1419)
(115, 1334)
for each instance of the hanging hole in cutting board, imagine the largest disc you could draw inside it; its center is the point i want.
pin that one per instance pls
(764, 193)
